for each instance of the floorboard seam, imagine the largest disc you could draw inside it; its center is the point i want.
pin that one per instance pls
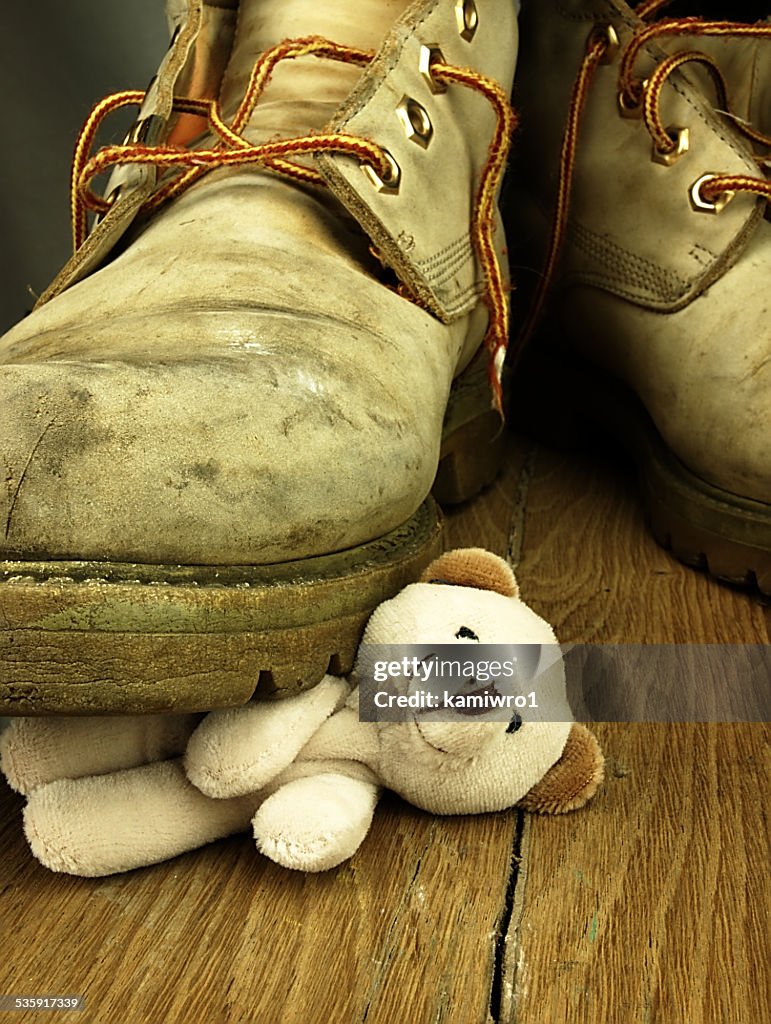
(519, 508)
(497, 995)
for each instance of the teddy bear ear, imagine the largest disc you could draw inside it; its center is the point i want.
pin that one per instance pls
(472, 567)
(573, 780)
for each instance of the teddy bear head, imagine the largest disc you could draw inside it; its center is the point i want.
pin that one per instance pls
(451, 761)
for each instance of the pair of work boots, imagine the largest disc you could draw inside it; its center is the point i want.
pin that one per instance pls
(286, 321)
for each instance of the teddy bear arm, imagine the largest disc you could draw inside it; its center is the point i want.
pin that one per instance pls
(237, 751)
(344, 737)
(572, 780)
(319, 815)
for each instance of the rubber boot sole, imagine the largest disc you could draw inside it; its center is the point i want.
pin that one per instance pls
(104, 638)
(707, 528)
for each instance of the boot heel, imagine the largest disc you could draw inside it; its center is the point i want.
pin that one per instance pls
(470, 460)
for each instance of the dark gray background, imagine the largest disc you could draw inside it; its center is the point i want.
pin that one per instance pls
(56, 60)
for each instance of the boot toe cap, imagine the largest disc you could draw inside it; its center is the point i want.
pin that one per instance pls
(271, 453)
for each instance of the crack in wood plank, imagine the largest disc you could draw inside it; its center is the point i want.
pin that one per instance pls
(513, 965)
(519, 507)
(501, 988)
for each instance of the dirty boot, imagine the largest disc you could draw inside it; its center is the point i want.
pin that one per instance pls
(221, 424)
(656, 323)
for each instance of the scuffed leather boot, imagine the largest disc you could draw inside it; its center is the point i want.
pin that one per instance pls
(221, 425)
(658, 325)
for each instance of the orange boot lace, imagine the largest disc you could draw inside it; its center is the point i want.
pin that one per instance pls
(711, 192)
(181, 167)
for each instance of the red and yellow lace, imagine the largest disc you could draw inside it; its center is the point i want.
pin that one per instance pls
(637, 96)
(188, 165)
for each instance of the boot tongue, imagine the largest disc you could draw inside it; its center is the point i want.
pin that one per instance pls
(303, 93)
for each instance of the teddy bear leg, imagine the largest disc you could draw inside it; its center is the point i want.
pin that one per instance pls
(317, 822)
(108, 823)
(36, 751)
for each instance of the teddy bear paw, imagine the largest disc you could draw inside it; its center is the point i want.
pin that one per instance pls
(315, 823)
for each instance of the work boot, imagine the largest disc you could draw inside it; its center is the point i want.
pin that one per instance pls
(656, 324)
(222, 422)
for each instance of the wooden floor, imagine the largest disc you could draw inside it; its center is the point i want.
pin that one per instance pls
(649, 907)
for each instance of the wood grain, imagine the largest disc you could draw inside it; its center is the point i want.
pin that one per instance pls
(653, 906)
(224, 935)
(592, 569)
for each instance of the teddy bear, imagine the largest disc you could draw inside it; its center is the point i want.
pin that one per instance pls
(108, 794)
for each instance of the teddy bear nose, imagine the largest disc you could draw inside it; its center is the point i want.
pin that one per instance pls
(515, 723)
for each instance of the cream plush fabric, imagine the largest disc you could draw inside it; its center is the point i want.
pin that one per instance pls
(305, 771)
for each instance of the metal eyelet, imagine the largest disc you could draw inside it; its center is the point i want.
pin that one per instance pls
(702, 205)
(140, 130)
(634, 110)
(610, 37)
(467, 19)
(415, 120)
(389, 185)
(680, 137)
(431, 54)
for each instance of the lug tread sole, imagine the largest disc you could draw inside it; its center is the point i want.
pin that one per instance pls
(95, 638)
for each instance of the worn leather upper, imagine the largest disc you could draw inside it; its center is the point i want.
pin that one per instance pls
(672, 301)
(233, 381)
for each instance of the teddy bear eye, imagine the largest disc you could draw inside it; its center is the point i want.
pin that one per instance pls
(514, 724)
(464, 633)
